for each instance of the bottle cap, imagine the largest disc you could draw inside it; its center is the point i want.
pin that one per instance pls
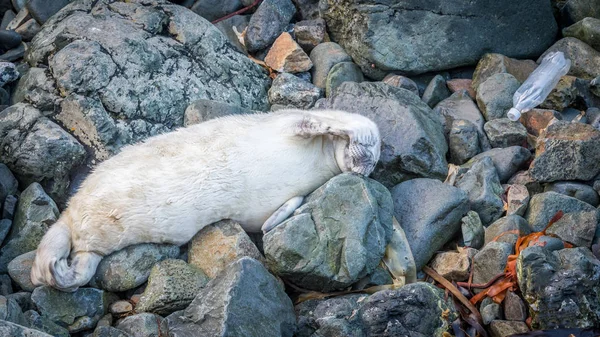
(513, 114)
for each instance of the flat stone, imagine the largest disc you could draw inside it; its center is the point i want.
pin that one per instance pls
(120, 308)
(576, 228)
(267, 23)
(573, 189)
(324, 56)
(287, 56)
(28, 30)
(503, 132)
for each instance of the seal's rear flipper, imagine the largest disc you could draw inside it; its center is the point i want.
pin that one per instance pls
(398, 257)
(282, 213)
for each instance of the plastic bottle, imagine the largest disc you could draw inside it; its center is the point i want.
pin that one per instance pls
(539, 84)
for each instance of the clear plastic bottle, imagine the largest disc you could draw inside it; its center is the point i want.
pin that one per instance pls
(539, 84)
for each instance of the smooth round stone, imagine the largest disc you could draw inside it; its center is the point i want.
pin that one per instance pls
(340, 73)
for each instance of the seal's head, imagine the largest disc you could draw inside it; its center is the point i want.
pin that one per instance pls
(359, 152)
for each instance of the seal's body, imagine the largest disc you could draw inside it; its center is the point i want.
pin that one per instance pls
(167, 188)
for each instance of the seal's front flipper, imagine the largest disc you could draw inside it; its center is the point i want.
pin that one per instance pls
(281, 213)
(398, 257)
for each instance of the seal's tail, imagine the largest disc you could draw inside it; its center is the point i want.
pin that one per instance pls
(51, 265)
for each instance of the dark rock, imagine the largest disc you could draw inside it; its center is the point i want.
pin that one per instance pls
(130, 267)
(331, 317)
(5, 285)
(576, 228)
(506, 224)
(289, 90)
(561, 287)
(566, 151)
(495, 95)
(19, 270)
(429, 212)
(323, 249)
(463, 141)
(544, 206)
(13, 54)
(324, 57)
(269, 20)
(490, 312)
(482, 185)
(491, 64)
(5, 225)
(415, 37)
(506, 160)
(244, 301)
(15, 330)
(309, 9)
(340, 73)
(472, 229)
(10, 207)
(8, 16)
(562, 96)
(577, 190)
(436, 91)
(507, 328)
(403, 82)
(549, 242)
(204, 109)
(413, 310)
(585, 60)
(10, 311)
(43, 323)
(9, 39)
(491, 261)
(23, 299)
(413, 143)
(8, 183)
(514, 308)
(8, 73)
(503, 132)
(215, 9)
(576, 10)
(310, 33)
(109, 331)
(143, 325)
(42, 10)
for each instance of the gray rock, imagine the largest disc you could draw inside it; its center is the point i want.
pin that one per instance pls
(415, 37)
(215, 9)
(269, 20)
(143, 325)
(18, 4)
(544, 206)
(506, 160)
(203, 110)
(8, 16)
(585, 60)
(5, 285)
(491, 261)
(514, 308)
(551, 243)
(290, 90)
(507, 328)
(121, 307)
(37, 85)
(380, 276)
(43, 323)
(576, 10)
(5, 225)
(9, 208)
(19, 270)
(36, 149)
(561, 287)
(413, 310)
(566, 151)
(563, 96)
(502, 132)
(324, 56)
(460, 106)
(454, 265)
(403, 82)
(244, 301)
(494, 96)
(130, 267)
(482, 185)
(10, 311)
(340, 73)
(436, 91)
(239, 22)
(8, 73)
(491, 64)
(309, 9)
(28, 29)
(15, 330)
(576, 228)
(109, 331)
(42, 10)
(413, 145)
(172, 286)
(506, 224)
(429, 212)
(323, 249)
(573, 189)
(331, 317)
(86, 305)
(463, 141)
(472, 229)
(310, 33)
(14, 54)
(23, 298)
(35, 213)
(491, 312)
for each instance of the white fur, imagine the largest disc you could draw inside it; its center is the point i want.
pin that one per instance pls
(167, 188)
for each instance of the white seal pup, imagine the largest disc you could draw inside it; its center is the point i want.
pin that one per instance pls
(254, 169)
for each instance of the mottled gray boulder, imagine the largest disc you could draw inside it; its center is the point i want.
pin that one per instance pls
(323, 248)
(544, 206)
(38, 150)
(506, 224)
(491, 64)
(567, 151)
(324, 56)
(502, 132)
(79, 310)
(269, 20)
(413, 310)
(482, 185)
(172, 286)
(15, 330)
(131, 72)
(459, 106)
(331, 317)
(130, 267)
(585, 60)
(473, 231)
(413, 143)
(573, 189)
(430, 213)
(8, 183)
(494, 96)
(36, 85)
(463, 141)
(289, 90)
(415, 37)
(507, 161)
(43, 323)
(576, 228)
(340, 73)
(35, 213)
(143, 325)
(491, 261)
(244, 301)
(586, 30)
(203, 110)
(562, 288)
(19, 270)
(436, 91)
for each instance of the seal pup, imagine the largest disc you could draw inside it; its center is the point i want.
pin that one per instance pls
(254, 169)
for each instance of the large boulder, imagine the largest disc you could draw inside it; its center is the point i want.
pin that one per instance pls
(417, 37)
(336, 237)
(413, 143)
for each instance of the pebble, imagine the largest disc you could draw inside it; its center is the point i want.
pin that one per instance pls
(19, 19)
